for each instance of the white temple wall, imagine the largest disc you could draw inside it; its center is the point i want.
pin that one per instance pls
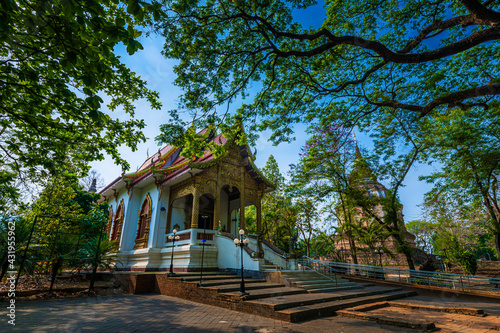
(131, 220)
(178, 217)
(157, 231)
(229, 255)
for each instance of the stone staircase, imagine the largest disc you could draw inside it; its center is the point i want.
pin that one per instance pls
(269, 266)
(292, 304)
(314, 282)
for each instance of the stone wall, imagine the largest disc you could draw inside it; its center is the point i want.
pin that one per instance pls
(484, 268)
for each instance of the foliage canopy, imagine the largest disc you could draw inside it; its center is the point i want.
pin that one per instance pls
(57, 66)
(384, 65)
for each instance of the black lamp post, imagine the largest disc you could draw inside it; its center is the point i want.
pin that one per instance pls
(203, 241)
(241, 241)
(173, 238)
(342, 253)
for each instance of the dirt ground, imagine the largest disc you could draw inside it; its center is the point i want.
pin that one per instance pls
(65, 286)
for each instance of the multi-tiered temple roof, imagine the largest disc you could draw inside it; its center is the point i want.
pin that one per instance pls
(168, 165)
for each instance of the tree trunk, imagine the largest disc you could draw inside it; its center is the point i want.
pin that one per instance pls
(399, 237)
(55, 269)
(497, 244)
(409, 259)
(292, 248)
(405, 250)
(354, 256)
(5, 266)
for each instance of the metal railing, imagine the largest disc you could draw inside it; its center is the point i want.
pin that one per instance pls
(318, 267)
(465, 283)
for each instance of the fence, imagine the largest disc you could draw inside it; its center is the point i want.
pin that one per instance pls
(460, 282)
(75, 244)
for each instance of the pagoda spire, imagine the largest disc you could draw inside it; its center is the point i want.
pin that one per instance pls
(361, 169)
(357, 153)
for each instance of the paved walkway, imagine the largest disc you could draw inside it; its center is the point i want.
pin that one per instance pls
(157, 313)
(453, 322)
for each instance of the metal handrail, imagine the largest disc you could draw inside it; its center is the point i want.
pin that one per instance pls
(317, 271)
(405, 276)
(278, 268)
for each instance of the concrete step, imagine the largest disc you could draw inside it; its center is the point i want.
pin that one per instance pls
(314, 276)
(329, 286)
(311, 277)
(316, 282)
(299, 272)
(301, 279)
(324, 280)
(191, 274)
(210, 277)
(356, 286)
(208, 283)
(252, 286)
(271, 292)
(268, 265)
(285, 302)
(324, 309)
(320, 282)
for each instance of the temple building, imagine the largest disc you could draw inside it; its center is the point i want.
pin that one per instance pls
(362, 178)
(203, 199)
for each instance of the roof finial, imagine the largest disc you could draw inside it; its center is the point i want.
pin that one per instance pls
(357, 153)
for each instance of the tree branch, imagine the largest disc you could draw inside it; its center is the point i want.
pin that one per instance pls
(481, 12)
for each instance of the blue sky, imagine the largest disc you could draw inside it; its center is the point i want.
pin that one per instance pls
(157, 71)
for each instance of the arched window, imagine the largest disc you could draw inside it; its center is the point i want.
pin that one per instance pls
(118, 222)
(107, 227)
(141, 239)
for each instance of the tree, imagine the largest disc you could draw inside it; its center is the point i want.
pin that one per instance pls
(272, 172)
(467, 144)
(379, 65)
(9, 194)
(371, 235)
(424, 232)
(322, 173)
(21, 231)
(68, 224)
(323, 244)
(332, 169)
(307, 220)
(279, 212)
(391, 68)
(451, 217)
(57, 64)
